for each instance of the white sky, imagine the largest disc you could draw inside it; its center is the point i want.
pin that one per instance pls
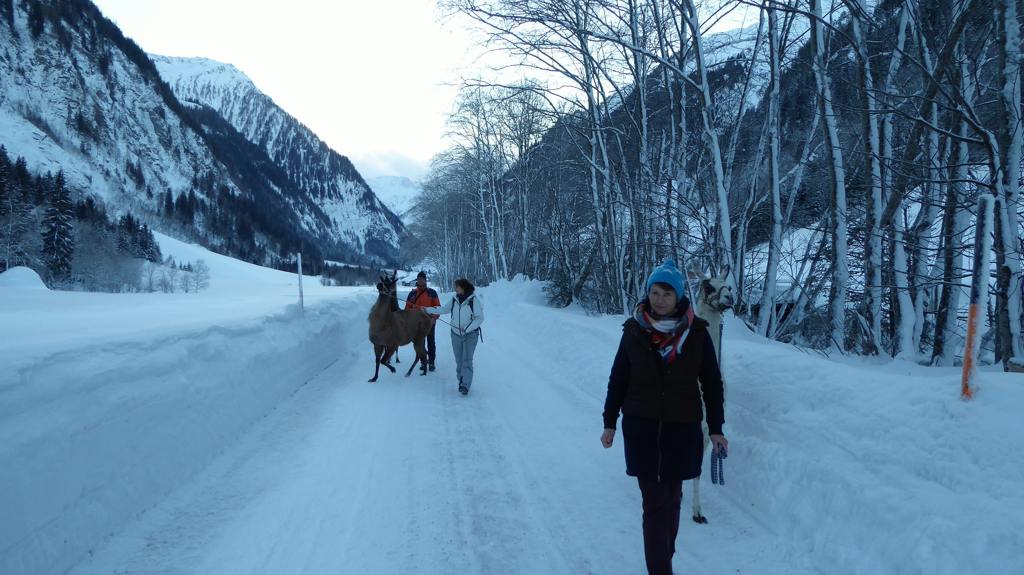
(375, 79)
(372, 78)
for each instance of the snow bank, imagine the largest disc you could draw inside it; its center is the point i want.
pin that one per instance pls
(21, 278)
(519, 290)
(875, 468)
(837, 465)
(34, 328)
(110, 401)
(99, 434)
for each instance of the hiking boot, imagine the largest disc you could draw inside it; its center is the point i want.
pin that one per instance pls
(463, 390)
(431, 366)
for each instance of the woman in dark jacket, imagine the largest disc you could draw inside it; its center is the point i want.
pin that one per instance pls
(665, 365)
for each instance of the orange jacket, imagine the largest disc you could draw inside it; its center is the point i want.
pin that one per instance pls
(424, 297)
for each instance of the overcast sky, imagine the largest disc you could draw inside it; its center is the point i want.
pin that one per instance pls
(371, 78)
(375, 79)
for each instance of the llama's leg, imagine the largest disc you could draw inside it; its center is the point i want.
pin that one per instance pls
(377, 350)
(417, 360)
(698, 517)
(386, 362)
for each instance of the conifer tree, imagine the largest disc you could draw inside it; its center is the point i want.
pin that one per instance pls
(58, 237)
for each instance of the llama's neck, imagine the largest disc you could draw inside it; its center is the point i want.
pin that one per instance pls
(381, 311)
(714, 319)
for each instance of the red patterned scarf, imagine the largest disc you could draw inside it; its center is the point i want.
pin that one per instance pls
(667, 335)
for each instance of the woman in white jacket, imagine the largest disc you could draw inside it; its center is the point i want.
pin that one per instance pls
(465, 314)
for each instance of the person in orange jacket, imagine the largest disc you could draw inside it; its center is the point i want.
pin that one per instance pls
(424, 297)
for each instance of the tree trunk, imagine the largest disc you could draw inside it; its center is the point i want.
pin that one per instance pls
(726, 256)
(840, 273)
(872, 155)
(904, 339)
(767, 312)
(1010, 139)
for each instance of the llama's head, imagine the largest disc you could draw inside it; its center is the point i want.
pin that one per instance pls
(716, 294)
(713, 293)
(387, 284)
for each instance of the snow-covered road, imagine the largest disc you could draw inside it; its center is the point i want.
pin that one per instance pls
(407, 476)
(836, 466)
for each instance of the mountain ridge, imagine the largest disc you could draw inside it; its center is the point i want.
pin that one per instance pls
(78, 96)
(325, 175)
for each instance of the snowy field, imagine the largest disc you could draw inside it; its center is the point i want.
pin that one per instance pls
(42, 325)
(224, 433)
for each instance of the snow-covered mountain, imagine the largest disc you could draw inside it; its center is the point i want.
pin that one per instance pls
(397, 192)
(74, 96)
(356, 216)
(77, 95)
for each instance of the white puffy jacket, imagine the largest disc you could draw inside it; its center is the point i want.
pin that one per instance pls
(465, 318)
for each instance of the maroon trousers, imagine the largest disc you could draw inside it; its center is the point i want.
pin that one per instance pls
(661, 522)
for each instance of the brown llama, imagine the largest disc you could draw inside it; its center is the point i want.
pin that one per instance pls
(391, 328)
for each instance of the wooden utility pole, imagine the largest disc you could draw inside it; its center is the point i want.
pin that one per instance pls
(302, 306)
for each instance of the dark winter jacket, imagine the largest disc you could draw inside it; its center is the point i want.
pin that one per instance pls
(662, 450)
(661, 402)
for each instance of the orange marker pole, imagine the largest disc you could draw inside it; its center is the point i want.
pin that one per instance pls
(979, 293)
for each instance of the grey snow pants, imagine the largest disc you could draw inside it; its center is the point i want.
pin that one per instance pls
(464, 346)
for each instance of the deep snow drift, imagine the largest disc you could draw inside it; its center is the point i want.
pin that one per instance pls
(110, 401)
(21, 278)
(835, 466)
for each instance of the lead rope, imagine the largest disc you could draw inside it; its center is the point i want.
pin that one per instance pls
(408, 303)
(718, 456)
(721, 352)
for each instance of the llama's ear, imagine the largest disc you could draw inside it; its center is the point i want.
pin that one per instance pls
(706, 287)
(694, 275)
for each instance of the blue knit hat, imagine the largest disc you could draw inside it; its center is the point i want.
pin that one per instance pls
(668, 273)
